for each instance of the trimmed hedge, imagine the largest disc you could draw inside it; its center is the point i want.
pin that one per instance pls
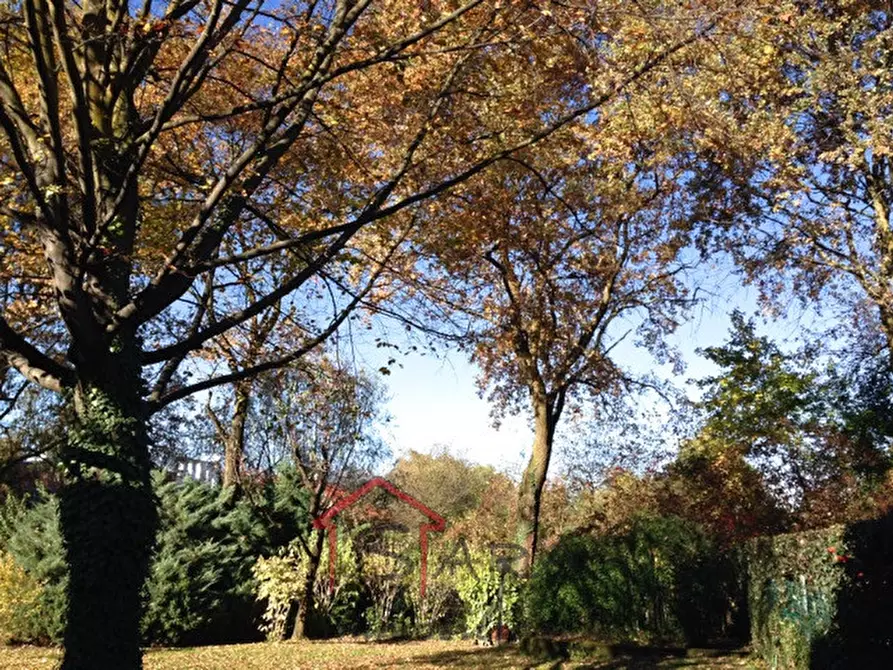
(822, 599)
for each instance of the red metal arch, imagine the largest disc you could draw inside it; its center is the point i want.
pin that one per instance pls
(327, 521)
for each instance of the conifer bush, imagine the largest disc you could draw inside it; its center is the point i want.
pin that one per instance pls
(661, 580)
(29, 537)
(200, 590)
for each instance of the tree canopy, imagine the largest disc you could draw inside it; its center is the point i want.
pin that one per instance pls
(198, 194)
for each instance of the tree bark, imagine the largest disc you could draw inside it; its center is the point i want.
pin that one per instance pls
(530, 492)
(108, 518)
(234, 445)
(307, 605)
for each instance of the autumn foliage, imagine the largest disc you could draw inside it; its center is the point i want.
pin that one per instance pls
(197, 195)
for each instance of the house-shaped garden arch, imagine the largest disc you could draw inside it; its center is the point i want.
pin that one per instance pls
(326, 521)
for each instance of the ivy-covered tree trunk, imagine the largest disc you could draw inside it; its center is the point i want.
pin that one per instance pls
(108, 518)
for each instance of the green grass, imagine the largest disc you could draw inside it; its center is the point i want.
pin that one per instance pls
(332, 655)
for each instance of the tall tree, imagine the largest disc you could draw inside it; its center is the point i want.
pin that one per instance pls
(560, 265)
(149, 149)
(240, 349)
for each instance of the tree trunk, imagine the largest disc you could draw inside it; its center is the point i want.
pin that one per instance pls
(308, 603)
(886, 317)
(530, 491)
(234, 445)
(108, 518)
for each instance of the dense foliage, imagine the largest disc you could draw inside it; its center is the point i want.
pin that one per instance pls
(820, 599)
(281, 582)
(818, 438)
(662, 579)
(186, 181)
(200, 588)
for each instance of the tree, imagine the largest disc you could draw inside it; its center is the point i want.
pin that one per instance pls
(563, 262)
(152, 151)
(571, 248)
(446, 484)
(325, 418)
(233, 437)
(806, 433)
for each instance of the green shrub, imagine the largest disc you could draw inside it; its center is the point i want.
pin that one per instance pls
(793, 581)
(281, 581)
(479, 593)
(661, 580)
(201, 589)
(29, 532)
(861, 634)
(565, 592)
(383, 562)
(337, 611)
(440, 611)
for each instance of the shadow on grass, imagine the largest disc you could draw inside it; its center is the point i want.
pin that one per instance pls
(492, 658)
(625, 657)
(612, 657)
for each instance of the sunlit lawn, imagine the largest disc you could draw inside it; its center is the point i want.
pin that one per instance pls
(353, 654)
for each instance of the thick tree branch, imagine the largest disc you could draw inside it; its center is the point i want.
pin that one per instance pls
(291, 357)
(32, 363)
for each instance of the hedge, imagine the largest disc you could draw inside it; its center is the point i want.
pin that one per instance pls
(662, 580)
(822, 599)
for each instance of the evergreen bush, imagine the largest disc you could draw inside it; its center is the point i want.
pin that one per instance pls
(662, 580)
(200, 590)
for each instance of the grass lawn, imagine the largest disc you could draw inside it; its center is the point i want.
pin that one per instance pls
(354, 654)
